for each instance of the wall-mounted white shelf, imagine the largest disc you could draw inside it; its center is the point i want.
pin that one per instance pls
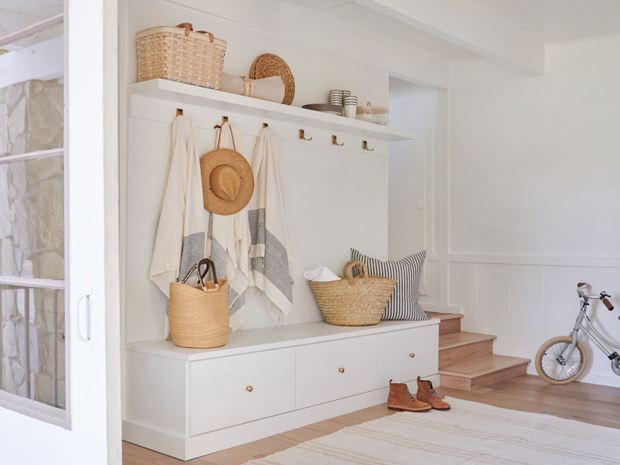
(226, 102)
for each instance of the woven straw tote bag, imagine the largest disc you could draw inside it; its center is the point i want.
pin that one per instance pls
(198, 316)
(353, 301)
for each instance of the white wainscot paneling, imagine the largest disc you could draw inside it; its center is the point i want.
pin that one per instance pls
(525, 305)
(147, 173)
(600, 279)
(526, 310)
(561, 301)
(494, 304)
(429, 287)
(463, 288)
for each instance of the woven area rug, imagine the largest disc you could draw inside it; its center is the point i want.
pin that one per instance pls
(469, 433)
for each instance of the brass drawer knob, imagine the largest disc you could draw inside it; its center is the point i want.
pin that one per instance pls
(341, 370)
(411, 355)
(249, 388)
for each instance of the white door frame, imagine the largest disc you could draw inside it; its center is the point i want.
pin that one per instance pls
(92, 433)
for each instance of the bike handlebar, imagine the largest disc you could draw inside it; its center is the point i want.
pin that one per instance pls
(602, 296)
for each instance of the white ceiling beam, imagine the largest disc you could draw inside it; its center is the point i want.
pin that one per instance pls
(452, 21)
(321, 31)
(44, 60)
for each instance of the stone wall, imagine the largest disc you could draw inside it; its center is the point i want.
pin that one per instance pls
(32, 241)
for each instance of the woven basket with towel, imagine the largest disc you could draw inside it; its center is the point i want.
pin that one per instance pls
(353, 301)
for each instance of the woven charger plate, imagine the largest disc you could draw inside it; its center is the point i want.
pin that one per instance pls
(268, 65)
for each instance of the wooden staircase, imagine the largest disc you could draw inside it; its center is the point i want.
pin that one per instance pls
(467, 361)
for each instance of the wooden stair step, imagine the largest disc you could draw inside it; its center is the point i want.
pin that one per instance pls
(462, 338)
(450, 322)
(476, 373)
(457, 347)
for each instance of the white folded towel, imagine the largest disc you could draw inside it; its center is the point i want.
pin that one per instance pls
(321, 274)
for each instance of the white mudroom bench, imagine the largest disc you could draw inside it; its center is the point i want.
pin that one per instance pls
(191, 402)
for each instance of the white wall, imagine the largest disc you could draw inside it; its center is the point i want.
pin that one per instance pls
(336, 197)
(413, 180)
(534, 196)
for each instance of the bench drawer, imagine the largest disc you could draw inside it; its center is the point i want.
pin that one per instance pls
(405, 355)
(232, 390)
(333, 370)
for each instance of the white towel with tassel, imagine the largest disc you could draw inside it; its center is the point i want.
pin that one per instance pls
(270, 251)
(228, 241)
(180, 240)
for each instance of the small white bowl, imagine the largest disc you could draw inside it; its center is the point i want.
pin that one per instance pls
(372, 114)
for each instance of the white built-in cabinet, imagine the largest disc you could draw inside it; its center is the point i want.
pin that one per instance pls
(189, 402)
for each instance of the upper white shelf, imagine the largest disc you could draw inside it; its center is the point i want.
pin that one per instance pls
(227, 102)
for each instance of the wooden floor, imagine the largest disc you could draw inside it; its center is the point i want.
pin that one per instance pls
(590, 403)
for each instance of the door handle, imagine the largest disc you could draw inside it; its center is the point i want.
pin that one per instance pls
(82, 316)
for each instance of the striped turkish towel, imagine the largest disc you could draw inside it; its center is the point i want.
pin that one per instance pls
(228, 241)
(270, 251)
(180, 239)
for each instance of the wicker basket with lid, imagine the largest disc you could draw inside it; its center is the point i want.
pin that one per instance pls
(180, 54)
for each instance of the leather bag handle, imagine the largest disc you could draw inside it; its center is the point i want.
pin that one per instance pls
(189, 28)
(348, 270)
(201, 275)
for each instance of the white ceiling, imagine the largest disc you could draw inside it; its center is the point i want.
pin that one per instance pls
(513, 30)
(18, 14)
(545, 21)
(39, 8)
(552, 21)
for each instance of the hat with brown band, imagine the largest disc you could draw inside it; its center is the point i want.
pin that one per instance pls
(227, 181)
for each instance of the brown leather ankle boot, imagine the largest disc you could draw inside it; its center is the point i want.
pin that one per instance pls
(401, 399)
(427, 394)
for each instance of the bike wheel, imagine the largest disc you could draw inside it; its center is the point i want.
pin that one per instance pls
(557, 371)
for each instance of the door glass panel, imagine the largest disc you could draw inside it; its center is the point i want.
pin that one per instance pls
(32, 226)
(33, 343)
(32, 239)
(31, 113)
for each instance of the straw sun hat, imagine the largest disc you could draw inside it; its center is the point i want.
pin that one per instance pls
(227, 181)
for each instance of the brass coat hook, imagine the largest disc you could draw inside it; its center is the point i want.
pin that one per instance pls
(224, 120)
(365, 146)
(265, 125)
(302, 135)
(335, 141)
(179, 111)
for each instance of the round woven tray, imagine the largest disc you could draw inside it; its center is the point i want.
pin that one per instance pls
(268, 65)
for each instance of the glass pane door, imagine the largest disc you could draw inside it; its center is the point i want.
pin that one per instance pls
(32, 215)
(57, 218)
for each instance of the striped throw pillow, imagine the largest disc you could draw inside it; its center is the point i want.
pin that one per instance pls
(403, 304)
